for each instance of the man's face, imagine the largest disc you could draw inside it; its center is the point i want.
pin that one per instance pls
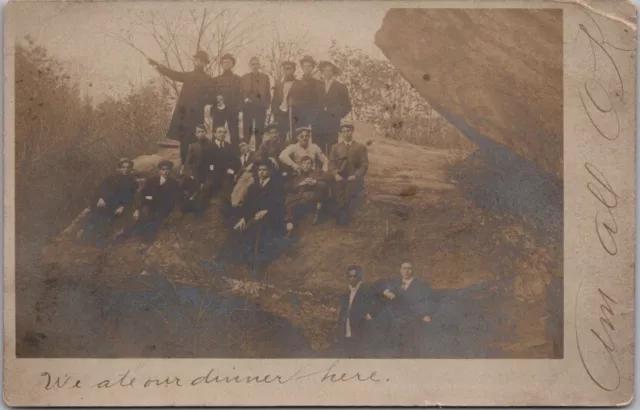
(221, 134)
(288, 71)
(347, 134)
(263, 172)
(307, 68)
(197, 63)
(303, 138)
(126, 168)
(255, 65)
(227, 64)
(327, 72)
(200, 133)
(244, 148)
(352, 276)
(406, 270)
(306, 165)
(165, 171)
(271, 135)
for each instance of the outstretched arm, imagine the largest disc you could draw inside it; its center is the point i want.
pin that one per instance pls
(167, 72)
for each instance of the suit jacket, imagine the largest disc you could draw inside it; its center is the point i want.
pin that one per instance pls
(335, 103)
(228, 85)
(160, 199)
(251, 159)
(116, 190)
(199, 160)
(294, 190)
(269, 198)
(257, 88)
(197, 91)
(363, 304)
(413, 304)
(278, 95)
(349, 160)
(306, 91)
(223, 159)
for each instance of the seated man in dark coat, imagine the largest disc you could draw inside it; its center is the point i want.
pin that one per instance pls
(306, 191)
(198, 173)
(356, 311)
(411, 304)
(348, 162)
(262, 221)
(112, 197)
(154, 204)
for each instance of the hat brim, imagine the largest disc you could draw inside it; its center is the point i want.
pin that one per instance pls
(204, 60)
(335, 68)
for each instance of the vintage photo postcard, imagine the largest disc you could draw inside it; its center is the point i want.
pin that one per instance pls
(356, 203)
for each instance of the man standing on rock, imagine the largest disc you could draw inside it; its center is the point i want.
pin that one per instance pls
(356, 310)
(411, 305)
(228, 99)
(348, 163)
(256, 89)
(306, 92)
(197, 91)
(333, 105)
(283, 105)
(198, 173)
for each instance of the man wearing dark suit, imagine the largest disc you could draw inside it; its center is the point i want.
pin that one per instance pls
(306, 92)
(112, 197)
(154, 204)
(348, 162)
(285, 101)
(197, 91)
(228, 101)
(198, 173)
(225, 164)
(412, 306)
(333, 105)
(256, 89)
(262, 221)
(306, 191)
(356, 311)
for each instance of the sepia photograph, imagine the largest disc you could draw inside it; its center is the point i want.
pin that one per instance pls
(249, 180)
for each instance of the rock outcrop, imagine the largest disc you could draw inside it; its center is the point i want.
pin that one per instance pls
(494, 74)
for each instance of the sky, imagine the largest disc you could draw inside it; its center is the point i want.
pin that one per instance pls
(84, 35)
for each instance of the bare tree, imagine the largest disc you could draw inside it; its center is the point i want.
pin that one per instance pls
(179, 35)
(282, 47)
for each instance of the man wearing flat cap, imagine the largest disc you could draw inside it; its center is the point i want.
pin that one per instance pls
(256, 89)
(348, 163)
(284, 105)
(306, 92)
(114, 194)
(197, 91)
(227, 104)
(154, 204)
(333, 105)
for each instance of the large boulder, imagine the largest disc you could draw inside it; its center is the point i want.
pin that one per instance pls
(495, 74)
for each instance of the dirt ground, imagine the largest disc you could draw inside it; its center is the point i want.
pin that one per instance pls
(82, 301)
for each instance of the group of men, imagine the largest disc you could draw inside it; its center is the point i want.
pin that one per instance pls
(264, 193)
(294, 103)
(391, 316)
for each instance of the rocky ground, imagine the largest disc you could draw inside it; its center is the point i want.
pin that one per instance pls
(114, 302)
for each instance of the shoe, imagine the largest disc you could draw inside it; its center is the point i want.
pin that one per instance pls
(318, 219)
(289, 229)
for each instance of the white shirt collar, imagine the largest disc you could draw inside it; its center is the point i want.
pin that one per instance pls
(407, 282)
(265, 182)
(162, 180)
(355, 288)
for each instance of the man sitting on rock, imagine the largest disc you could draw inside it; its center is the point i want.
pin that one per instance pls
(262, 220)
(112, 197)
(198, 173)
(306, 191)
(154, 204)
(292, 154)
(349, 162)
